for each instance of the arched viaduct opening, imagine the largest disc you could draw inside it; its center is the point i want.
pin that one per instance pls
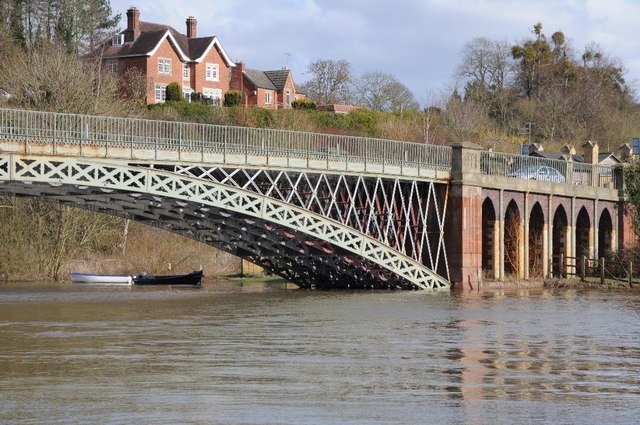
(583, 238)
(560, 245)
(605, 234)
(536, 241)
(489, 246)
(513, 253)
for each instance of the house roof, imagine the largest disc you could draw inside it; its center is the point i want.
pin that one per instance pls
(576, 158)
(271, 80)
(278, 78)
(152, 35)
(606, 155)
(556, 155)
(259, 79)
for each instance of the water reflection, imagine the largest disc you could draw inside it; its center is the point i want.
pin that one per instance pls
(234, 354)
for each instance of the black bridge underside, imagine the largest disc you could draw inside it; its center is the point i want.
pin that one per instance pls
(297, 257)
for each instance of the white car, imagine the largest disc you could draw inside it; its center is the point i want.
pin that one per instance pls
(539, 172)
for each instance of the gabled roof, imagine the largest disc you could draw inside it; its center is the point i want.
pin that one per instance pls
(259, 79)
(272, 80)
(278, 78)
(152, 35)
(606, 155)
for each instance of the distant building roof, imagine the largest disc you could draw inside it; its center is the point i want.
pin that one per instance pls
(557, 155)
(602, 157)
(338, 109)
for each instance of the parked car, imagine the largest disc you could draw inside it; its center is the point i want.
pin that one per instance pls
(539, 172)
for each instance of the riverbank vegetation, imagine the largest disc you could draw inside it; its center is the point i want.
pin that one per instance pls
(540, 89)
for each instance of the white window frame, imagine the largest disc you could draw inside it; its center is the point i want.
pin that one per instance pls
(185, 71)
(212, 72)
(213, 94)
(287, 97)
(117, 40)
(267, 97)
(112, 66)
(164, 66)
(160, 93)
(187, 92)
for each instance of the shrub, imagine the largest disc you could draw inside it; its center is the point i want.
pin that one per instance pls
(174, 92)
(303, 104)
(264, 118)
(233, 98)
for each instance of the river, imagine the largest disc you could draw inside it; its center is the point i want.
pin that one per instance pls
(261, 354)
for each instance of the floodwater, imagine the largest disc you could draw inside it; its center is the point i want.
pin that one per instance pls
(260, 354)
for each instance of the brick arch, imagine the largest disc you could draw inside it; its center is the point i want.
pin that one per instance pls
(583, 236)
(560, 223)
(605, 232)
(513, 239)
(588, 206)
(516, 198)
(536, 240)
(490, 251)
(542, 200)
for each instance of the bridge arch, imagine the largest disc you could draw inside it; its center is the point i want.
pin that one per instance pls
(560, 237)
(170, 200)
(583, 238)
(536, 241)
(513, 241)
(605, 233)
(490, 254)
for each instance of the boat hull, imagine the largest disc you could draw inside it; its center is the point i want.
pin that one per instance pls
(101, 279)
(191, 279)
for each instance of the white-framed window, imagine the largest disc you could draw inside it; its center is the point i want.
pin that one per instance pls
(212, 72)
(164, 66)
(161, 93)
(185, 71)
(117, 40)
(112, 66)
(213, 94)
(287, 97)
(267, 97)
(186, 92)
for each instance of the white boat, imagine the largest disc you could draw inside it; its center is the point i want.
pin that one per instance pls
(101, 279)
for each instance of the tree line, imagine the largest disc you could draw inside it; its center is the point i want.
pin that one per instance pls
(77, 25)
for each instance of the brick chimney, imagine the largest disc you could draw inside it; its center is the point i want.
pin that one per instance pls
(591, 152)
(191, 27)
(237, 78)
(133, 25)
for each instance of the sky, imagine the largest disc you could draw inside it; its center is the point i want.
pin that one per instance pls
(420, 42)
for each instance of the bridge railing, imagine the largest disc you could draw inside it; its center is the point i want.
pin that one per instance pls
(34, 127)
(544, 169)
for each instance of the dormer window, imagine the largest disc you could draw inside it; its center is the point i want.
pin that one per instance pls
(117, 40)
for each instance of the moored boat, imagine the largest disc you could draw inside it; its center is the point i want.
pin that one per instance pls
(190, 279)
(101, 279)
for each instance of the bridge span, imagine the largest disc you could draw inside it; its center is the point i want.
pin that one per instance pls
(320, 210)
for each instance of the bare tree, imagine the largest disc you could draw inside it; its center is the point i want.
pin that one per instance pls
(49, 78)
(330, 81)
(383, 92)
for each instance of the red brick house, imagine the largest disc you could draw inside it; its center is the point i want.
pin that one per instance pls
(198, 64)
(265, 89)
